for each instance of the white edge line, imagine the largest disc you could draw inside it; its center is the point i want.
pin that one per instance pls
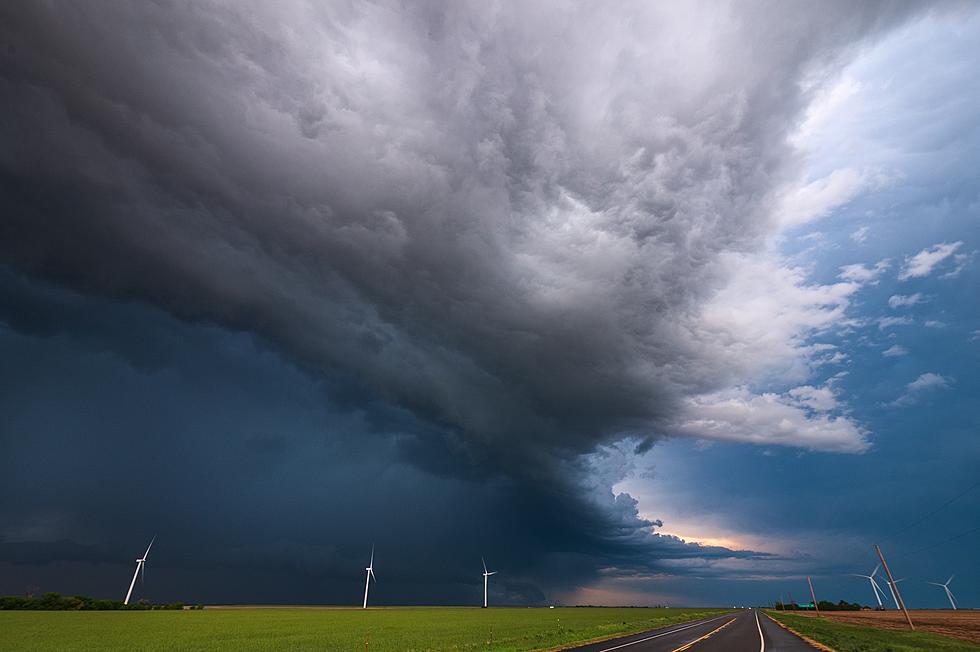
(673, 631)
(762, 639)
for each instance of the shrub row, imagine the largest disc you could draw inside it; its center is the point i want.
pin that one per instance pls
(58, 602)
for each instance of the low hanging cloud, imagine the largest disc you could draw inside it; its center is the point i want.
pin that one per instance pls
(529, 242)
(800, 418)
(922, 263)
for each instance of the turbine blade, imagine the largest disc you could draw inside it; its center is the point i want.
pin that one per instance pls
(372, 556)
(372, 575)
(143, 573)
(875, 571)
(149, 546)
(950, 579)
(484, 564)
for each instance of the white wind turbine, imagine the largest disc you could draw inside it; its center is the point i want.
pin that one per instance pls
(892, 589)
(140, 566)
(486, 574)
(370, 576)
(874, 585)
(949, 594)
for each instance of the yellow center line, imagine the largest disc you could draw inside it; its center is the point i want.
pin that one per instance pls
(698, 640)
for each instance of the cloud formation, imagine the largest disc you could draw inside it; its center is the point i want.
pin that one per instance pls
(902, 300)
(922, 263)
(926, 382)
(529, 232)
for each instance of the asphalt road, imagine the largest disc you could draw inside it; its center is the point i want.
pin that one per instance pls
(746, 630)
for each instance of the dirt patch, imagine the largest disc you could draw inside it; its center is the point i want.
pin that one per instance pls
(962, 624)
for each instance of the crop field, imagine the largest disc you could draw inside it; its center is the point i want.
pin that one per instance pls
(963, 623)
(869, 631)
(375, 630)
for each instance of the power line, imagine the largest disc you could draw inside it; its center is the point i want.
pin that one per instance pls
(938, 509)
(939, 543)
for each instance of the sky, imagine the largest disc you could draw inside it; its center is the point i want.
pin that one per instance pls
(667, 303)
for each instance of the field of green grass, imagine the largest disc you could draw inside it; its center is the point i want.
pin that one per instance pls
(853, 638)
(376, 630)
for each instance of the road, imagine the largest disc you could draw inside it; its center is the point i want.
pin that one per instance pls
(746, 630)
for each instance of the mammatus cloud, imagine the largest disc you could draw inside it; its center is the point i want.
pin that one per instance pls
(529, 242)
(926, 382)
(922, 263)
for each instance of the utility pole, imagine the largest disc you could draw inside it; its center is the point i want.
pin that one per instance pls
(813, 596)
(894, 586)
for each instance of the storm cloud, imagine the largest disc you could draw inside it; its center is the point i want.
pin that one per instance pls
(493, 243)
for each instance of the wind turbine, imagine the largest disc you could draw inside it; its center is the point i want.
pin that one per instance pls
(140, 566)
(892, 589)
(486, 574)
(874, 585)
(949, 594)
(370, 576)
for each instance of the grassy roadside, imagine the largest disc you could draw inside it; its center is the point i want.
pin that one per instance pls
(853, 638)
(385, 630)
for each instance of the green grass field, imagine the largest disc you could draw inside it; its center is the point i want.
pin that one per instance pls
(384, 630)
(853, 638)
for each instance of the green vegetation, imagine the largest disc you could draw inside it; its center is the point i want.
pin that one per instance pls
(376, 630)
(58, 602)
(853, 638)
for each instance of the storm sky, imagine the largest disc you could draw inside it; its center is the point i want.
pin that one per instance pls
(642, 302)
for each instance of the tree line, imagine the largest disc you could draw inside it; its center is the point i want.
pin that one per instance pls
(823, 605)
(58, 602)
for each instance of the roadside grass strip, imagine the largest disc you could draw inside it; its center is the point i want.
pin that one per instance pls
(853, 638)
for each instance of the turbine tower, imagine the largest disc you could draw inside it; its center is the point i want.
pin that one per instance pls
(370, 576)
(140, 566)
(949, 594)
(486, 574)
(892, 589)
(874, 585)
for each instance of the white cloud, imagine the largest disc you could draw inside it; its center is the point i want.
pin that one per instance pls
(819, 198)
(796, 419)
(888, 322)
(761, 323)
(922, 263)
(858, 273)
(933, 323)
(895, 351)
(897, 300)
(820, 399)
(822, 112)
(924, 383)
(860, 235)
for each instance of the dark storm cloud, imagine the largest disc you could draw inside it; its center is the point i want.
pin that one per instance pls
(496, 227)
(120, 422)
